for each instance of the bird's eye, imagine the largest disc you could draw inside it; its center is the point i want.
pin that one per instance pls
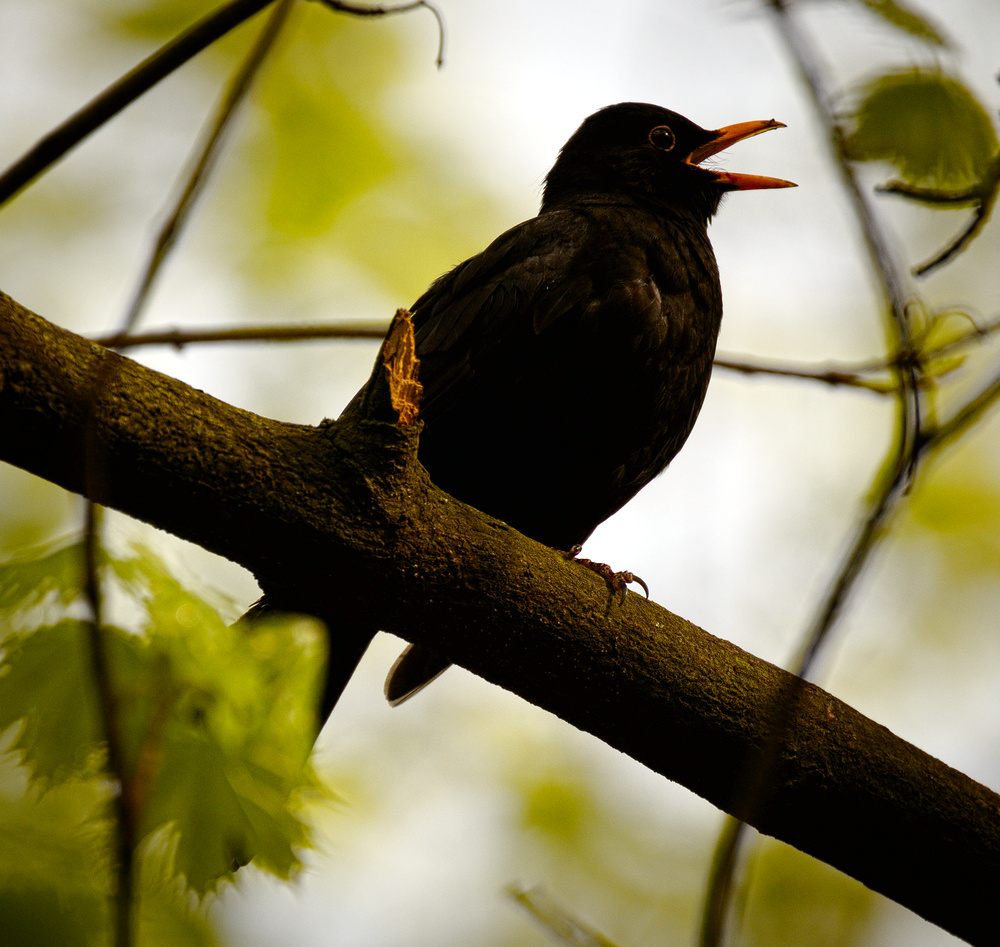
(662, 137)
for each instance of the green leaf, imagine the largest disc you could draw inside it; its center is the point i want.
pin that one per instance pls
(216, 722)
(926, 124)
(234, 755)
(54, 865)
(228, 722)
(901, 16)
(167, 915)
(47, 685)
(54, 572)
(947, 326)
(56, 873)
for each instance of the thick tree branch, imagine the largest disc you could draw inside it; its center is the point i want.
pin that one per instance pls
(343, 520)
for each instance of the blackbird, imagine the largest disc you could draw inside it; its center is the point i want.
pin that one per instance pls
(563, 366)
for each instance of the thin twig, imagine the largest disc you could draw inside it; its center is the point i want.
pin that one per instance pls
(556, 920)
(107, 703)
(124, 92)
(851, 377)
(238, 88)
(127, 796)
(983, 194)
(970, 412)
(361, 10)
(181, 337)
(849, 374)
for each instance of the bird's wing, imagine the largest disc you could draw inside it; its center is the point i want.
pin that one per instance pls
(519, 285)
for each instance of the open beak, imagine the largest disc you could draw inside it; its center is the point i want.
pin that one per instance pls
(729, 135)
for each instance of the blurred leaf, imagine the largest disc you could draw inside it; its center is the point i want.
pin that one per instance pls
(321, 141)
(558, 809)
(320, 154)
(153, 19)
(216, 721)
(797, 900)
(900, 15)
(234, 754)
(41, 917)
(46, 683)
(27, 580)
(167, 914)
(55, 872)
(943, 329)
(930, 127)
(54, 869)
(947, 326)
(958, 509)
(240, 722)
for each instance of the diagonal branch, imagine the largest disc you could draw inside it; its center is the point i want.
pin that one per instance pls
(124, 92)
(343, 520)
(53, 146)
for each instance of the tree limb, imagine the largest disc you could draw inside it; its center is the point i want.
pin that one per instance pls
(344, 522)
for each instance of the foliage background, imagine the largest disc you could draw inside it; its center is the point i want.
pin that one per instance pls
(358, 174)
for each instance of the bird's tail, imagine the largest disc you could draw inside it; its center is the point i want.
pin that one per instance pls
(414, 669)
(347, 646)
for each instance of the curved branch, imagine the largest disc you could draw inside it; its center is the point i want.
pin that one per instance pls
(381, 10)
(983, 194)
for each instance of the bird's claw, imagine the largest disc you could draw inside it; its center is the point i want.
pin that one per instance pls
(618, 582)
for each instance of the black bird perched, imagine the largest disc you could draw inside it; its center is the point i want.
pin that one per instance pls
(564, 366)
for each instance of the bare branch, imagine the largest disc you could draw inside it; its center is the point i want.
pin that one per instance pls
(901, 464)
(850, 376)
(181, 337)
(894, 293)
(202, 166)
(124, 92)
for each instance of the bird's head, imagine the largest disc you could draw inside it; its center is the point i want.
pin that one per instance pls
(653, 155)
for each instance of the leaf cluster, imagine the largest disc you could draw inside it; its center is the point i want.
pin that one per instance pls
(216, 724)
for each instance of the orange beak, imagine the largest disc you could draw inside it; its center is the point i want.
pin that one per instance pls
(729, 135)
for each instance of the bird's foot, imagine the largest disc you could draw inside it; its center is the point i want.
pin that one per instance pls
(618, 582)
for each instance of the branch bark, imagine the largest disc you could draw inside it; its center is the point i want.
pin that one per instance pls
(343, 522)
